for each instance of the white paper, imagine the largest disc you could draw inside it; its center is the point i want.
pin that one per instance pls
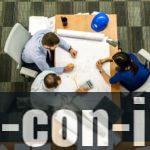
(81, 35)
(37, 23)
(85, 65)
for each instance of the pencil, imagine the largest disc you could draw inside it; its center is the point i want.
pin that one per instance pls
(76, 82)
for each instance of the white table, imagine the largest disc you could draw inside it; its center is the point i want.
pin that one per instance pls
(85, 65)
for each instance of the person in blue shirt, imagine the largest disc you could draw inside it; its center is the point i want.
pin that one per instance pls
(37, 54)
(131, 73)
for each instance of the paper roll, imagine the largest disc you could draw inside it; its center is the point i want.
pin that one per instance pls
(80, 35)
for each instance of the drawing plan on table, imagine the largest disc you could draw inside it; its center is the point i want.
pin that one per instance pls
(89, 52)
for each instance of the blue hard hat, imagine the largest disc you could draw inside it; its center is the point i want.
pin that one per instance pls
(99, 22)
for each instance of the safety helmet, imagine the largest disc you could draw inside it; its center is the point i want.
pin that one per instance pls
(99, 22)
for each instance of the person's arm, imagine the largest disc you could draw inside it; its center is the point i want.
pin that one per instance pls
(82, 90)
(108, 59)
(42, 65)
(64, 45)
(111, 80)
(115, 79)
(105, 75)
(102, 71)
(107, 78)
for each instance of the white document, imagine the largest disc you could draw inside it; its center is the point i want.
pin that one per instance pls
(37, 23)
(85, 65)
(83, 13)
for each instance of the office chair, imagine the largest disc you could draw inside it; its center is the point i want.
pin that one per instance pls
(146, 56)
(14, 45)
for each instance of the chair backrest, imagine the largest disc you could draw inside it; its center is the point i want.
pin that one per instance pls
(145, 87)
(145, 55)
(16, 41)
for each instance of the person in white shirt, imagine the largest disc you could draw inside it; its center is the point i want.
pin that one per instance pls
(47, 81)
(43, 90)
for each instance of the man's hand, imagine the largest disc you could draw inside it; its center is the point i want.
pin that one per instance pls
(73, 53)
(82, 90)
(69, 68)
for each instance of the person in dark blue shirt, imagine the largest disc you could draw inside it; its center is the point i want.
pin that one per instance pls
(131, 73)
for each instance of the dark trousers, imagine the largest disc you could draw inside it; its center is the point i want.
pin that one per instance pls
(33, 66)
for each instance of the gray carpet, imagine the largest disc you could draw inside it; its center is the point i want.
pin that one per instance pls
(133, 26)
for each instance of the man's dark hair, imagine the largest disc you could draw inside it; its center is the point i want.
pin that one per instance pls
(50, 39)
(51, 80)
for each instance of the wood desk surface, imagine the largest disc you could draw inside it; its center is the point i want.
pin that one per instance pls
(83, 23)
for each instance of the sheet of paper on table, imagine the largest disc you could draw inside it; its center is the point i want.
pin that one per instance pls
(37, 23)
(85, 65)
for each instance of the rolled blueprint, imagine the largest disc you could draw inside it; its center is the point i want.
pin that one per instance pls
(81, 35)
